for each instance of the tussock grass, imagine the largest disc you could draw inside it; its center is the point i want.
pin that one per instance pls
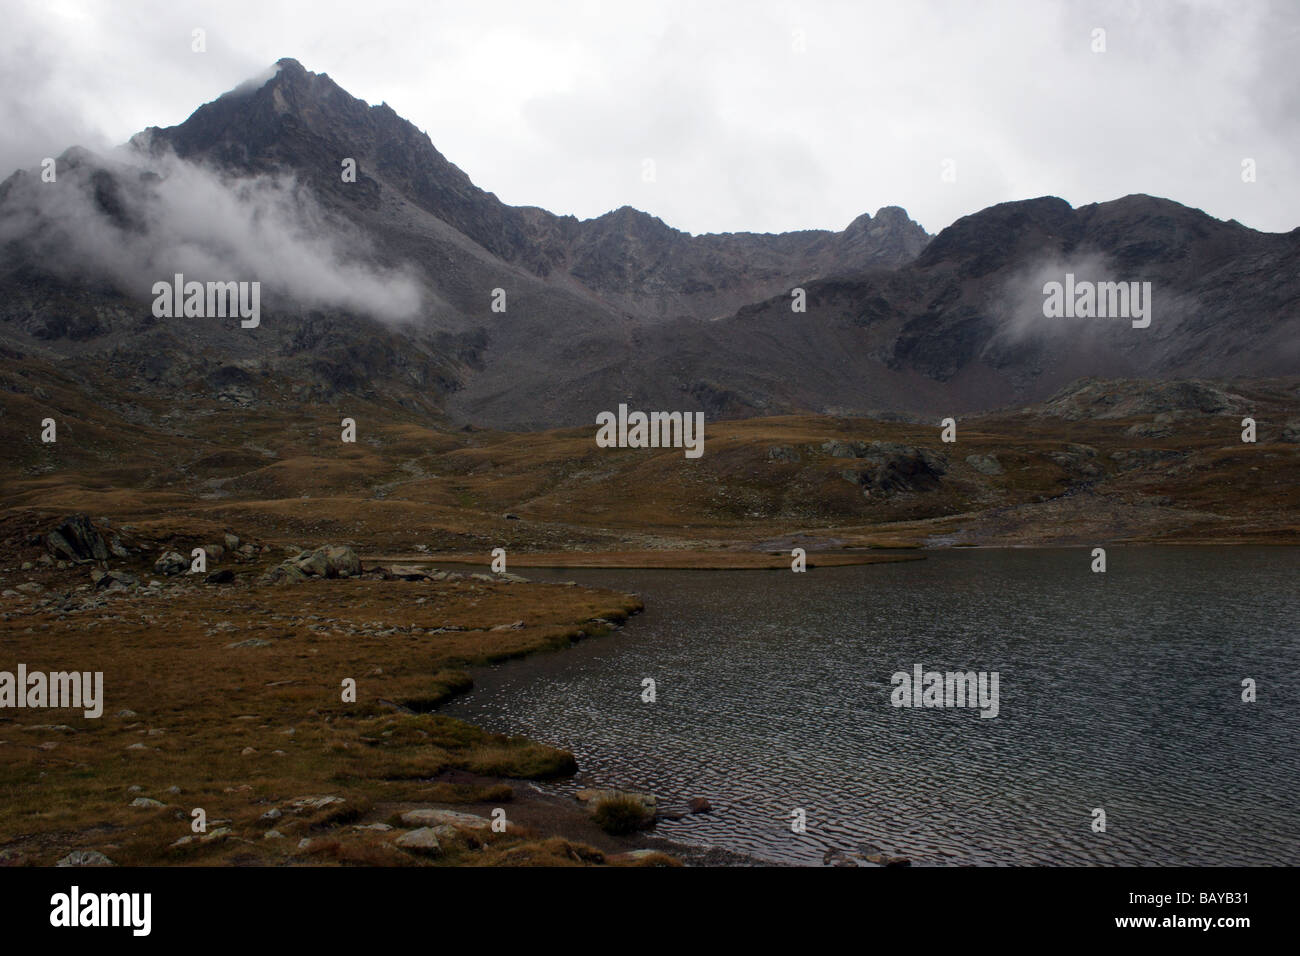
(621, 815)
(244, 730)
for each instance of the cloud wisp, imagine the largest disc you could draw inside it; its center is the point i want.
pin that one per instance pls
(134, 220)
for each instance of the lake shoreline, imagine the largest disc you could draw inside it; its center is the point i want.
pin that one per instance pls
(716, 560)
(602, 759)
(660, 560)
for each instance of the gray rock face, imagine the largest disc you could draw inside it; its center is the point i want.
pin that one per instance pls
(450, 836)
(77, 538)
(985, 464)
(403, 572)
(288, 572)
(85, 858)
(890, 467)
(429, 817)
(171, 563)
(423, 841)
(845, 449)
(894, 318)
(1149, 430)
(1130, 458)
(115, 580)
(331, 561)
(1079, 460)
(313, 563)
(1091, 398)
(316, 803)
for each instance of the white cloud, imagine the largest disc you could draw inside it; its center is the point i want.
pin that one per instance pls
(556, 105)
(189, 220)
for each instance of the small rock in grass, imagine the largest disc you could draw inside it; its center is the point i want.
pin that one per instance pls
(423, 840)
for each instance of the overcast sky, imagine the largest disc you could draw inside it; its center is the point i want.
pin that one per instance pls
(760, 116)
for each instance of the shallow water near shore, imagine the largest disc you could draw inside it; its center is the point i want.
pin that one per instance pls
(1119, 691)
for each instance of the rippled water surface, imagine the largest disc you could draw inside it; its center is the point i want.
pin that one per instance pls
(1119, 690)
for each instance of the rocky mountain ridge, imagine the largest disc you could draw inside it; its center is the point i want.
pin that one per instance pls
(386, 286)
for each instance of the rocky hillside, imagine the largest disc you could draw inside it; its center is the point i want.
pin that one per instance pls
(384, 287)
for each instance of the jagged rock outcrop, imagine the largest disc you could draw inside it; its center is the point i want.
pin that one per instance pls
(890, 467)
(78, 538)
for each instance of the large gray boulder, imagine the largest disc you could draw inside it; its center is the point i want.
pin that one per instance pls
(845, 449)
(313, 563)
(171, 563)
(331, 561)
(431, 817)
(423, 841)
(287, 572)
(116, 580)
(405, 572)
(77, 538)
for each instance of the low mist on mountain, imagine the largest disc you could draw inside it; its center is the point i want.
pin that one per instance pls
(409, 282)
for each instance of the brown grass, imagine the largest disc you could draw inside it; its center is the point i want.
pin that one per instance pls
(199, 706)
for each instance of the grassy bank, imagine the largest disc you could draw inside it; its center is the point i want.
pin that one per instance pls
(229, 699)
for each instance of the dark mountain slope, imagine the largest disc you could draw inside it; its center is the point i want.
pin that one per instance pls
(384, 286)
